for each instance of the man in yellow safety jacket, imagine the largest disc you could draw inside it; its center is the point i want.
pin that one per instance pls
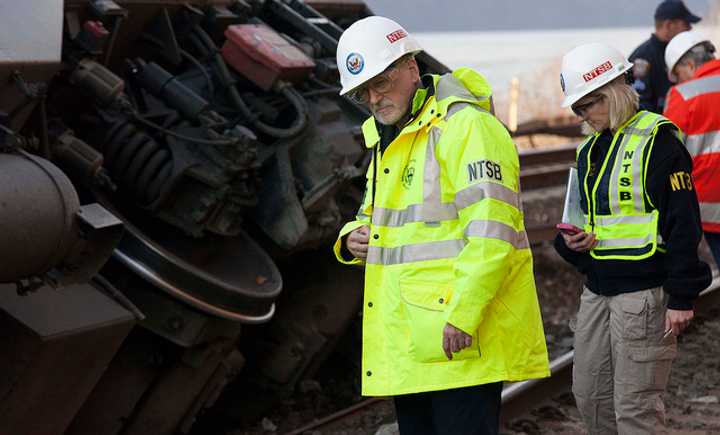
(450, 307)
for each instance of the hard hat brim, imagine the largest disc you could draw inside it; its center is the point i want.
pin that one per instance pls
(374, 73)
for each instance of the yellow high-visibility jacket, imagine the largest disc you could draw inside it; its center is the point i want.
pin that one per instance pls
(447, 244)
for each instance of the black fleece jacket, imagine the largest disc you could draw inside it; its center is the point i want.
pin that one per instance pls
(679, 271)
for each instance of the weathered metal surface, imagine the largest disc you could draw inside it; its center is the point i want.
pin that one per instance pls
(37, 215)
(223, 277)
(170, 317)
(98, 232)
(43, 231)
(110, 404)
(159, 397)
(217, 180)
(56, 345)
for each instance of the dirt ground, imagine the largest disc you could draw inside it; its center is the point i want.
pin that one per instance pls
(691, 401)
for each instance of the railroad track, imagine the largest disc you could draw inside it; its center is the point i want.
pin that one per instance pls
(521, 397)
(518, 398)
(543, 169)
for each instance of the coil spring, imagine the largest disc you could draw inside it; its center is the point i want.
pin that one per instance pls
(137, 162)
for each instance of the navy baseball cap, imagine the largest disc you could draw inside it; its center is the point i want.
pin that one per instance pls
(675, 10)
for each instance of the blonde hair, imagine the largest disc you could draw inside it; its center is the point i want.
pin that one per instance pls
(623, 103)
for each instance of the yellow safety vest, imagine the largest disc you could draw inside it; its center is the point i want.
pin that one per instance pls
(618, 209)
(447, 244)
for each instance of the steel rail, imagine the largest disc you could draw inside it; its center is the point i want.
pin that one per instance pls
(543, 156)
(336, 416)
(540, 168)
(520, 397)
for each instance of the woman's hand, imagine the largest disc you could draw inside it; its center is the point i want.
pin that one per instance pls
(677, 320)
(580, 242)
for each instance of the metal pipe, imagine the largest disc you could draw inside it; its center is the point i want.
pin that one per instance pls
(113, 37)
(328, 42)
(116, 294)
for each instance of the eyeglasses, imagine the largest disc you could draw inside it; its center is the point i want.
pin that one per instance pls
(382, 84)
(581, 109)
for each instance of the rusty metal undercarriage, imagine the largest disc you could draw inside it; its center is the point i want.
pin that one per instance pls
(167, 167)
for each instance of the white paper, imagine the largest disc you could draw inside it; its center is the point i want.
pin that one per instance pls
(572, 212)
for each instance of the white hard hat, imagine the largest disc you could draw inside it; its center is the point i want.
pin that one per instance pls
(589, 67)
(678, 46)
(369, 46)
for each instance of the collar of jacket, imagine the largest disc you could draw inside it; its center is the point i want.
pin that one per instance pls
(658, 42)
(463, 85)
(709, 68)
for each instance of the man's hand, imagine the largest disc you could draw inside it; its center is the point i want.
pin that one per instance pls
(677, 320)
(357, 242)
(580, 242)
(454, 340)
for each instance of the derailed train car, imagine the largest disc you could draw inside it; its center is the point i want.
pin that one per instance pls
(172, 174)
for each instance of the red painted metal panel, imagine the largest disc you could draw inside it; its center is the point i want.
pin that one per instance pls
(259, 53)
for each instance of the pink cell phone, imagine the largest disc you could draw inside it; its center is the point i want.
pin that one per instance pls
(569, 229)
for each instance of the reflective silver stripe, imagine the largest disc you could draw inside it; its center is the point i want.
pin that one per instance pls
(456, 107)
(710, 212)
(389, 217)
(497, 230)
(638, 165)
(637, 170)
(624, 243)
(705, 143)
(697, 87)
(416, 252)
(620, 220)
(477, 192)
(633, 129)
(615, 175)
(628, 133)
(433, 210)
(450, 86)
(639, 131)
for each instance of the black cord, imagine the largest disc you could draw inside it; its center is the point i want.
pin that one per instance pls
(201, 39)
(198, 140)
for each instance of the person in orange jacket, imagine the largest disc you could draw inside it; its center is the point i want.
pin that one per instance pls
(693, 105)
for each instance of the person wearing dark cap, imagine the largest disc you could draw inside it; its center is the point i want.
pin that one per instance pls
(650, 74)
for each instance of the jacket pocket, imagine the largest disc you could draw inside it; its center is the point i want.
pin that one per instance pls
(426, 307)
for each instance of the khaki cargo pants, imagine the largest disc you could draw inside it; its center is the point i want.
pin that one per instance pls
(622, 361)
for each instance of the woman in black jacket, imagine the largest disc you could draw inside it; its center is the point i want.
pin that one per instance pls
(638, 247)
